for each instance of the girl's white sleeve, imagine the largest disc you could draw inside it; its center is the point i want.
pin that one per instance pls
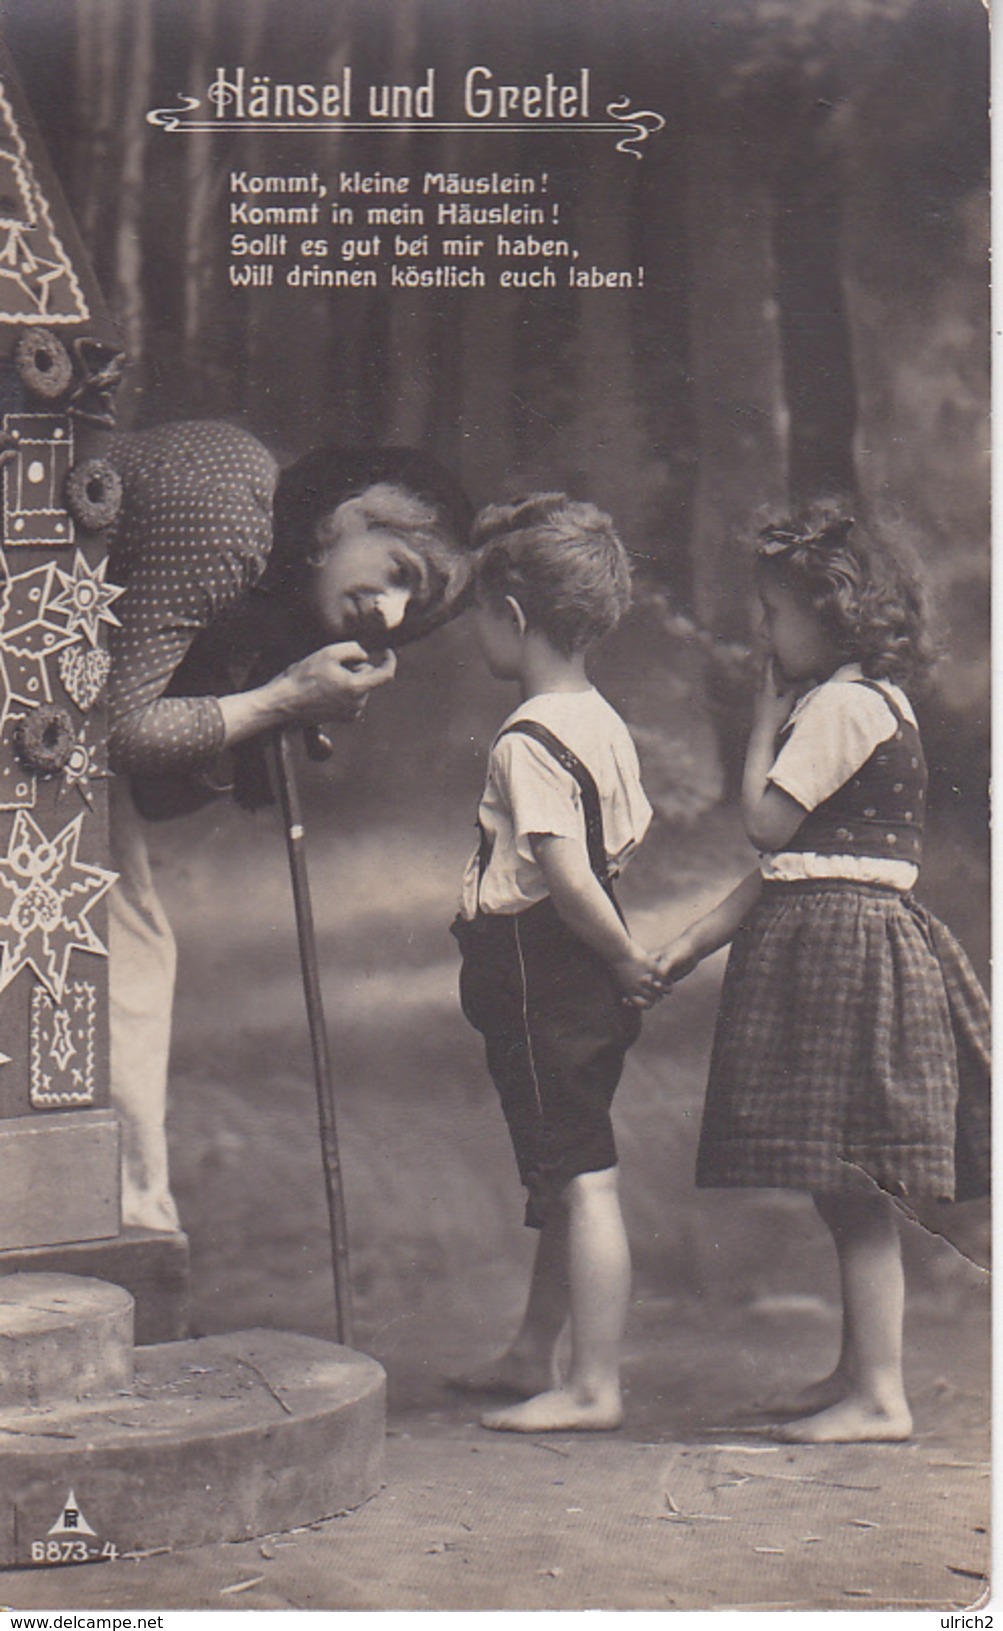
(836, 730)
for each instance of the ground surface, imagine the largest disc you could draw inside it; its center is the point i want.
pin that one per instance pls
(683, 1508)
(735, 1294)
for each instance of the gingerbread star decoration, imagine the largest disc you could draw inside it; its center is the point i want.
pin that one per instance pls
(46, 898)
(85, 599)
(32, 276)
(30, 635)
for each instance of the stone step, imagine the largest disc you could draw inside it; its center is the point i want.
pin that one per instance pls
(59, 1178)
(153, 1267)
(62, 1338)
(219, 1439)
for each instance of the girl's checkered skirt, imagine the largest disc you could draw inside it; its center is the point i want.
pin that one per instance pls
(852, 1037)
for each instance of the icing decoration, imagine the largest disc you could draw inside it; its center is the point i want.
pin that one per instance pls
(46, 897)
(83, 765)
(25, 640)
(28, 632)
(18, 787)
(37, 455)
(84, 671)
(36, 276)
(43, 364)
(28, 637)
(85, 598)
(62, 1046)
(9, 440)
(33, 629)
(94, 494)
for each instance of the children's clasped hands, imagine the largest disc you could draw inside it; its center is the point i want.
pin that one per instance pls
(657, 972)
(638, 976)
(645, 977)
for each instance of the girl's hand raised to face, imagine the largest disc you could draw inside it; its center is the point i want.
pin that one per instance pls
(777, 695)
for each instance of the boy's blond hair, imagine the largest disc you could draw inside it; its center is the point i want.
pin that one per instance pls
(563, 562)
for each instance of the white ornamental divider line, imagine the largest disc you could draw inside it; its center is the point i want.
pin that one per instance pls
(631, 126)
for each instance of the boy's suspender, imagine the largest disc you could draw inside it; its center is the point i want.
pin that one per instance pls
(595, 839)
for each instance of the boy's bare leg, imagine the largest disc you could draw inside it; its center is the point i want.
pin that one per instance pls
(529, 1363)
(599, 1291)
(874, 1407)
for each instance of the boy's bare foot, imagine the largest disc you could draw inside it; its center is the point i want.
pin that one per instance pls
(558, 1411)
(817, 1396)
(510, 1374)
(853, 1421)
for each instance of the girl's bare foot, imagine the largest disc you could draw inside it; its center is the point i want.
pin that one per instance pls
(513, 1375)
(854, 1420)
(558, 1411)
(817, 1396)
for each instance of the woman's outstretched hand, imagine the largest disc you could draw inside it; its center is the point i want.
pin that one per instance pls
(331, 684)
(334, 683)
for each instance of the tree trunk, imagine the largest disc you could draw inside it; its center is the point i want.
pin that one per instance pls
(735, 359)
(818, 369)
(200, 263)
(412, 375)
(129, 297)
(98, 38)
(738, 404)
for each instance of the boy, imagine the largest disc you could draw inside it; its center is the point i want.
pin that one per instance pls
(551, 976)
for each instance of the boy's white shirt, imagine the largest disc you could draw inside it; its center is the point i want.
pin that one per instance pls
(837, 727)
(528, 792)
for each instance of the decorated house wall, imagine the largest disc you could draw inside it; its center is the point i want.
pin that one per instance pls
(60, 363)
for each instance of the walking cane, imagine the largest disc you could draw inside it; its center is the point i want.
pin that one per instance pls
(292, 816)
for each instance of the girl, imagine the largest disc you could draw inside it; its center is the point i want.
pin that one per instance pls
(850, 1056)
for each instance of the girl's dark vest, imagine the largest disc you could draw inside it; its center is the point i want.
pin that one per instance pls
(880, 810)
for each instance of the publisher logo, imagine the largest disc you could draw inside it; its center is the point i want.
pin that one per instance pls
(72, 1539)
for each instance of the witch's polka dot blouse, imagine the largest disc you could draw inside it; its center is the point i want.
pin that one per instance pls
(192, 537)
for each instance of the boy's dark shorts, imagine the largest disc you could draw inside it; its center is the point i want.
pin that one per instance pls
(555, 1032)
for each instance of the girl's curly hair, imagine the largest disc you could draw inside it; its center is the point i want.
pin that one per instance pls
(868, 595)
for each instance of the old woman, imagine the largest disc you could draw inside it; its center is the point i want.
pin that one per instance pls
(253, 598)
